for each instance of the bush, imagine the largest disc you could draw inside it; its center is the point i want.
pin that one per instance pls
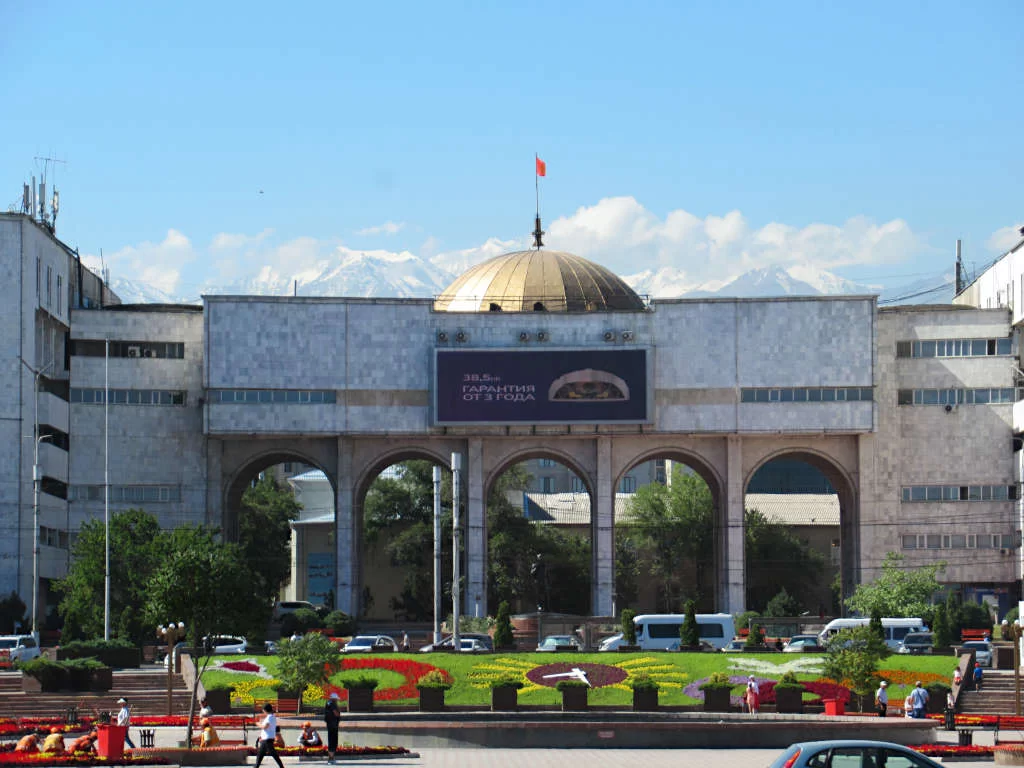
(340, 623)
(938, 688)
(436, 678)
(642, 682)
(506, 682)
(755, 637)
(219, 686)
(360, 683)
(113, 653)
(689, 632)
(307, 619)
(717, 682)
(628, 627)
(788, 682)
(783, 604)
(306, 661)
(503, 637)
(562, 685)
(50, 674)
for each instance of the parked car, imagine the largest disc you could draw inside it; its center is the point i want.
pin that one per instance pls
(369, 644)
(472, 645)
(801, 644)
(916, 643)
(446, 642)
(812, 754)
(982, 651)
(283, 607)
(734, 646)
(223, 644)
(271, 647)
(19, 647)
(551, 643)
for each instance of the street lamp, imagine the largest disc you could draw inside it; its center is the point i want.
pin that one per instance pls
(172, 633)
(37, 478)
(1015, 631)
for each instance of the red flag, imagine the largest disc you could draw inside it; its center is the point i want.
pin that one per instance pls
(542, 167)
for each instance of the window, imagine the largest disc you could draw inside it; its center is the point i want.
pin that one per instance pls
(955, 347)
(628, 484)
(577, 485)
(60, 294)
(49, 280)
(130, 396)
(547, 485)
(806, 394)
(255, 396)
(546, 462)
(915, 493)
(980, 396)
(173, 350)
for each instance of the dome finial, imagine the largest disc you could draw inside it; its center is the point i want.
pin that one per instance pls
(537, 234)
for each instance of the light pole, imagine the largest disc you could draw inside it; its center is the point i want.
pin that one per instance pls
(1015, 631)
(37, 478)
(172, 633)
(456, 473)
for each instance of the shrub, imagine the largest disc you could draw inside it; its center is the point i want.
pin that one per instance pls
(755, 637)
(219, 686)
(716, 682)
(360, 683)
(788, 682)
(306, 661)
(689, 632)
(307, 619)
(84, 663)
(642, 682)
(562, 685)
(50, 674)
(938, 688)
(506, 682)
(503, 637)
(628, 627)
(340, 623)
(435, 678)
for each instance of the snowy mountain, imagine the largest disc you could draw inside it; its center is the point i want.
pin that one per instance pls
(136, 292)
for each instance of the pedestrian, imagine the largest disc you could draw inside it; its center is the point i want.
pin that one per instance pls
(268, 732)
(405, 641)
(205, 710)
(920, 700)
(279, 738)
(124, 718)
(331, 719)
(882, 699)
(86, 743)
(958, 678)
(309, 736)
(908, 705)
(209, 737)
(753, 695)
(977, 676)
(54, 742)
(28, 743)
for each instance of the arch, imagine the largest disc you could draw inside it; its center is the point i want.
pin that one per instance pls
(248, 470)
(693, 460)
(845, 484)
(539, 452)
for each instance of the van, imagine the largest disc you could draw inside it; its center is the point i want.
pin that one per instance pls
(895, 629)
(660, 631)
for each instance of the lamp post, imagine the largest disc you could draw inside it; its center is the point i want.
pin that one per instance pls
(1015, 632)
(172, 633)
(37, 478)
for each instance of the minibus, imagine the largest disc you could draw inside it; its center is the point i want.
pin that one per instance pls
(895, 629)
(660, 631)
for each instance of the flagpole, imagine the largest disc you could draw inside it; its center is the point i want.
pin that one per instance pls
(536, 180)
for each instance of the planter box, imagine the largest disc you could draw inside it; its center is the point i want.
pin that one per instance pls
(101, 679)
(789, 701)
(182, 756)
(360, 700)
(717, 700)
(645, 700)
(219, 701)
(431, 699)
(936, 703)
(32, 685)
(574, 699)
(834, 706)
(504, 698)
(119, 658)
(629, 648)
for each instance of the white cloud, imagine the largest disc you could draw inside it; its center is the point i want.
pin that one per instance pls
(1004, 239)
(387, 228)
(157, 264)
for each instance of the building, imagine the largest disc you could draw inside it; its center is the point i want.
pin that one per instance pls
(541, 355)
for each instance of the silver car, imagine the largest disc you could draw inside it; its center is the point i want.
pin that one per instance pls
(370, 644)
(851, 754)
(982, 651)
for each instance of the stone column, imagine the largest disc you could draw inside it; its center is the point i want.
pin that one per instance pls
(603, 526)
(214, 483)
(475, 597)
(732, 567)
(346, 541)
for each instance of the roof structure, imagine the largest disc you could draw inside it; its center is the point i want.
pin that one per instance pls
(538, 281)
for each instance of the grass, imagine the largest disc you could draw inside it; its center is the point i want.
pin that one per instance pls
(673, 671)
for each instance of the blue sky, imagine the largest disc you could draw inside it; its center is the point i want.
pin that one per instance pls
(882, 131)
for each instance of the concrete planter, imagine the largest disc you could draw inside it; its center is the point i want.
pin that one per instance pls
(431, 699)
(101, 679)
(629, 648)
(360, 700)
(219, 701)
(183, 756)
(504, 698)
(717, 700)
(789, 700)
(645, 699)
(574, 699)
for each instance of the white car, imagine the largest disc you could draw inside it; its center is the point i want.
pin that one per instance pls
(19, 647)
(472, 645)
(223, 644)
(370, 644)
(982, 651)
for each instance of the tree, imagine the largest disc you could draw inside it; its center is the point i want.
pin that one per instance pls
(264, 535)
(899, 591)
(628, 619)
(306, 661)
(503, 637)
(875, 625)
(942, 636)
(672, 524)
(136, 549)
(852, 658)
(689, 631)
(775, 557)
(783, 604)
(627, 568)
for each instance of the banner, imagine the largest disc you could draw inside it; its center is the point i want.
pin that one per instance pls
(551, 386)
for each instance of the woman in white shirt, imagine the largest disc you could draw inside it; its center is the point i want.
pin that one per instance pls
(268, 732)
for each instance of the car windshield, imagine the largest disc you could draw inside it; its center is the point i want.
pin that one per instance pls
(8, 643)
(977, 645)
(918, 639)
(362, 640)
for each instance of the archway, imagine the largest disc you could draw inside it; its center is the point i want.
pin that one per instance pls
(667, 532)
(540, 533)
(800, 525)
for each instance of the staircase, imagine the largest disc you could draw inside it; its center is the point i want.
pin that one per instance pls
(145, 690)
(997, 695)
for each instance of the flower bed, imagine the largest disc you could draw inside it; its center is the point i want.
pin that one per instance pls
(952, 750)
(79, 758)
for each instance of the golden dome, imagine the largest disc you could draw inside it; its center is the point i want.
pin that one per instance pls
(538, 281)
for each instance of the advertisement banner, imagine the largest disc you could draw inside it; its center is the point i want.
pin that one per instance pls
(553, 386)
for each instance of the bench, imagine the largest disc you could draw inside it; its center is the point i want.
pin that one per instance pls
(197, 740)
(281, 706)
(974, 634)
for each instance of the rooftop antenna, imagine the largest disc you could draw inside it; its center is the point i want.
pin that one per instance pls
(540, 170)
(55, 201)
(959, 270)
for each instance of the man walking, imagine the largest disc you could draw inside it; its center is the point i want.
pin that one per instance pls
(920, 698)
(124, 717)
(882, 698)
(331, 719)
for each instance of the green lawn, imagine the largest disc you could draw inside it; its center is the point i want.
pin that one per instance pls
(398, 672)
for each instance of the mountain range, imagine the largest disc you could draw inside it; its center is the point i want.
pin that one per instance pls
(404, 275)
